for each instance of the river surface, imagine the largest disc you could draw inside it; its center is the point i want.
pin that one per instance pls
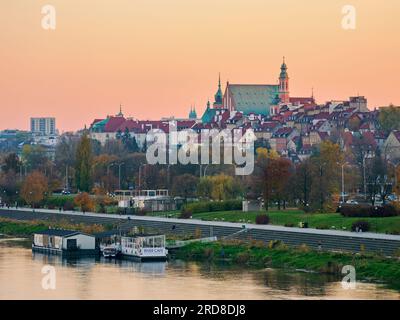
(89, 278)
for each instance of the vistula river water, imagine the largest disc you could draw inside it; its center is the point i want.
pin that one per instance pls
(96, 278)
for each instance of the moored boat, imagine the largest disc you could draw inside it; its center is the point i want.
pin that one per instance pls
(144, 247)
(110, 252)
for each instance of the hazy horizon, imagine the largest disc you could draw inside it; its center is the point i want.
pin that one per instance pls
(160, 58)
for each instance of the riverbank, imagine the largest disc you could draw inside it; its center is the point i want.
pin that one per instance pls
(369, 267)
(255, 254)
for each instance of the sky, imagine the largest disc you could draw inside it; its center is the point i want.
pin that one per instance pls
(159, 57)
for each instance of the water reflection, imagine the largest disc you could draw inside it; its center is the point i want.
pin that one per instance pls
(99, 278)
(85, 264)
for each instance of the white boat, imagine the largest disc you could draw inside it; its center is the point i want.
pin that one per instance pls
(144, 247)
(110, 251)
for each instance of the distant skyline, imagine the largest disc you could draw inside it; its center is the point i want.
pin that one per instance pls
(158, 58)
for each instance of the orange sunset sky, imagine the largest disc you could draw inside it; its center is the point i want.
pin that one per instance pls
(158, 57)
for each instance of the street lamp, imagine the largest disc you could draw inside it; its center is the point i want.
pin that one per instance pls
(119, 171)
(140, 182)
(119, 174)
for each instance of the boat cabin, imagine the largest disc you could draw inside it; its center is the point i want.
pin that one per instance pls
(58, 241)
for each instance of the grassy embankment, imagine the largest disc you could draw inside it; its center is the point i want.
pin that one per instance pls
(277, 255)
(27, 228)
(292, 217)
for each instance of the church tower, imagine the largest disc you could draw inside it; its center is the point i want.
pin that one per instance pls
(218, 96)
(284, 83)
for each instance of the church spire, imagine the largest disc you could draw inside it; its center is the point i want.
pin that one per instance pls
(120, 114)
(284, 83)
(218, 96)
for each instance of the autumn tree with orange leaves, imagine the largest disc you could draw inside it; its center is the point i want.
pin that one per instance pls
(34, 188)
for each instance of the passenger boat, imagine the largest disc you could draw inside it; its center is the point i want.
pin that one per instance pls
(144, 247)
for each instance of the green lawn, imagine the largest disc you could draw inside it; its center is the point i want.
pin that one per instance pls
(316, 220)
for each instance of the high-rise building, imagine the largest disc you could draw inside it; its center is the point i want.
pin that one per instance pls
(43, 126)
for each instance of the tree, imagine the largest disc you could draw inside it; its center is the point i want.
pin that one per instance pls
(114, 147)
(204, 187)
(389, 118)
(84, 202)
(262, 176)
(83, 164)
(103, 174)
(219, 187)
(397, 179)
(302, 183)
(34, 157)
(8, 186)
(377, 179)
(11, 163)
(34, 188)
(326, 169)
(185, 185)
(129, 142)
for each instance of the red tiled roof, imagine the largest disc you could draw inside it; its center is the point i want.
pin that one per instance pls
(283, 132)
(369, 139)
(113, 124)
(321, 116)
(306, 101)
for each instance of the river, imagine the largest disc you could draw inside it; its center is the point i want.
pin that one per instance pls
(89, 278)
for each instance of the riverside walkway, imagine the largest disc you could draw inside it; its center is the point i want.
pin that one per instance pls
(314, 238)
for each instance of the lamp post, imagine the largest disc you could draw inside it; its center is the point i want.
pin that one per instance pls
(343, 182)
(364, 178)
(119, 174)
(140, 171)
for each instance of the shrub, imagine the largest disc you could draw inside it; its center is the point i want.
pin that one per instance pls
(208, 253)
(273, 244)
(68, 206)
(129, 211)
(362, 225)
(141, 212)
(243, 257)
(360, 210)
(212, 206)
(363, 210)
(303, 248)
(197, 233)
(388, 210)
(185, 214)
(57, 201)
(262, 219)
